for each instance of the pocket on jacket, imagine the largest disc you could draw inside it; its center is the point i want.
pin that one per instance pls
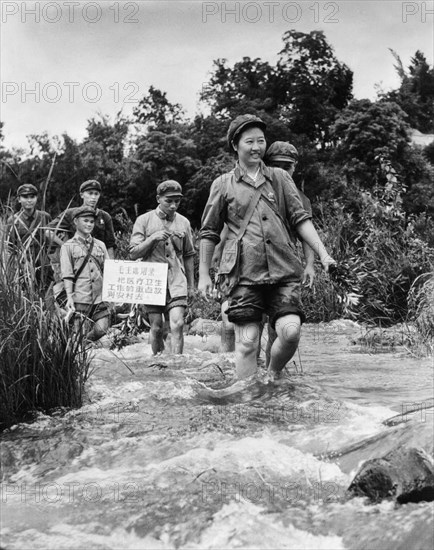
(230, 256)
(78, 252)
(177, 240)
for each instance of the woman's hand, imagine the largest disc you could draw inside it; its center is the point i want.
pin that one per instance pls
(328, 261)
(308, 275)
(205, 286)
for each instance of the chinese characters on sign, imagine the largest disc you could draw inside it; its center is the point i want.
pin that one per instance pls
(135, 282)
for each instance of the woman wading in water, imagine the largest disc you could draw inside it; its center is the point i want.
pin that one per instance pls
(259, 268)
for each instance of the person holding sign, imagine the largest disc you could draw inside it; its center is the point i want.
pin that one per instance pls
(81, 264)
(163, 235)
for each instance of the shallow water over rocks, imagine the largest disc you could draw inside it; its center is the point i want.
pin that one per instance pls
(159, 458)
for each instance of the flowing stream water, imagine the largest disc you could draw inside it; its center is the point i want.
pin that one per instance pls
(156, 459)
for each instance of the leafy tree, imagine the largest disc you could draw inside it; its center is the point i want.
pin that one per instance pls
(20, 166)
(209, 136)
(250, 86)
(429, 152)
(159, 156)
(65, 180)
(103, 157)
(417, 176)
(197, 188)
(9, 168)
(415, 95)
(156, 110)
(366, 130)
(314, 84)
(305, 90)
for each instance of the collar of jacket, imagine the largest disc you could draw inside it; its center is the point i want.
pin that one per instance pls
(85, 241)
(264, 170)
(23, 214)
(164, 216)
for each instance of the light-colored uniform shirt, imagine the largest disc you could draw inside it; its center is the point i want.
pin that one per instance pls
(88, 287)
(172, 252)
(268, 255)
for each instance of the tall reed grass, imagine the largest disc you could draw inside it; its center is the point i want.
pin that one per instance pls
(421, 312)
(43, 363)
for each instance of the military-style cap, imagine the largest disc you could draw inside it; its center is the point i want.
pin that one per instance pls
(281, 151)
(82, 211)
(90, 184)
(169, 188)
(241, 123)
(27, 189)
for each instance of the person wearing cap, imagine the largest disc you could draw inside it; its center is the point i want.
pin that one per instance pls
(265, 276)
(84, 294)
(280, 154)
(62, 225)
(25, 230)
(63, 228)
(163, 235)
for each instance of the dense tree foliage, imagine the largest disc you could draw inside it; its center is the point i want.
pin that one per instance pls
(155, 109)
(316, 85)
(365, 130)
(416, 92)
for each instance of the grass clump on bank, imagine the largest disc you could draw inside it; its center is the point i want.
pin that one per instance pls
(43, 364)
(421, 312)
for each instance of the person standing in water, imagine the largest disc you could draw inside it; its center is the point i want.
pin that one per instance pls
(281, 154)
(164, 235)
(259, 266)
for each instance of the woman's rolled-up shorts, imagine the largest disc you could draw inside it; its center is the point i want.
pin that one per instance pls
(248, 303)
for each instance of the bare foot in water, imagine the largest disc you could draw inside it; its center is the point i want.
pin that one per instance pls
(272, 376)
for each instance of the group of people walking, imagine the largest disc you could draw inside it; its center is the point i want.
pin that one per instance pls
(254, 213)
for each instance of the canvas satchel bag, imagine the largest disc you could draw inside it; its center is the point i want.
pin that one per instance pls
(229, 272)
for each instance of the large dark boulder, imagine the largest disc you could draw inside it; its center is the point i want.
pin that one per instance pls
(404, 474)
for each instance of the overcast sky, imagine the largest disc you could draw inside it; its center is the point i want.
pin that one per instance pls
(82, 58)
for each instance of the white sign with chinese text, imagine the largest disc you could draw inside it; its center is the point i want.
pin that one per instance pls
(134, 282)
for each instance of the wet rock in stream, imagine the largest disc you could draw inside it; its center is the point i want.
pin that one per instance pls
(405, 474)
